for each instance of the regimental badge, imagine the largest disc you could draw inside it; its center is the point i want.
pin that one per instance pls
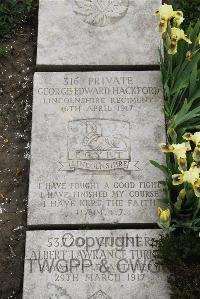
(98, 145)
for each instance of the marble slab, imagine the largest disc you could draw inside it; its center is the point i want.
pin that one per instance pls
(93, 135)
(93, 32)
(97, 264)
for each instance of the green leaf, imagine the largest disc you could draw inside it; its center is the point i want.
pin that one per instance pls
(178, 205)
(196, 94)
(180, 119)
(193, 80)
(183, 76)
(163, 168)
(164, 200)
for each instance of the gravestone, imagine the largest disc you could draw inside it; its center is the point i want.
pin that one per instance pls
(93, 32)
(96, 264)
(93, 135)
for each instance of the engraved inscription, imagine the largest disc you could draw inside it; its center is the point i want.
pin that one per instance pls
(101, 12)
(93, 264)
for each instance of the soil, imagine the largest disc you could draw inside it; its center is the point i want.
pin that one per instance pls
(16, 86)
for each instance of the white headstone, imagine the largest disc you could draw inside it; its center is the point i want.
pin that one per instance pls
(96, 264)
(93, 32)
(93, 135)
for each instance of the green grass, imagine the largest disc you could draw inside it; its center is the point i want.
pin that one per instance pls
(13, 13)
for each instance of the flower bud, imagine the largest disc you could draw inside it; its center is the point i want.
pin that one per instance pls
(164, 215)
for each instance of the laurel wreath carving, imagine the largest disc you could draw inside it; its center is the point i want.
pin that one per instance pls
(101, 12)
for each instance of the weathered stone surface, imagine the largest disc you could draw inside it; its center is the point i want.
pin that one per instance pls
(85, 32)
(93, 135)
(116, 264)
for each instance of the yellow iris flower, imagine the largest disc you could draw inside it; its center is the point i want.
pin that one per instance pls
(190, 176)
(197, 188)
(162, 26)
(166, 13)
(177, 35)
(196, 153)
(164, 215)
(193, 137)
(179, 151)
(196, 139)
(178, 17)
